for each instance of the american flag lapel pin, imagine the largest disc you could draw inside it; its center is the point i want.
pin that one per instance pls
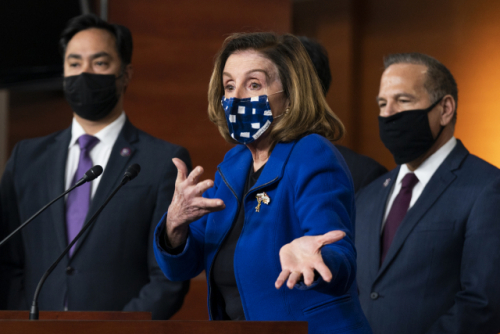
(262, 198)
(386, 182)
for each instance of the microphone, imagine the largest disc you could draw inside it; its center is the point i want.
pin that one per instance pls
(130, 174)
(90, 175)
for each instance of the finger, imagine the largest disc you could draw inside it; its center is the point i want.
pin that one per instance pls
(293, 279)
(324, 271)
(209, 204)
(282, 278)
(203, 186)
(182, 170)
(308, 276)
(331, 237)
(195, 175)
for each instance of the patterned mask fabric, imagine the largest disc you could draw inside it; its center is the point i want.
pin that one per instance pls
(248, 118)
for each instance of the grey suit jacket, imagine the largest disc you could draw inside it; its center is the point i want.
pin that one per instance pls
(442, 270)
(113, 266)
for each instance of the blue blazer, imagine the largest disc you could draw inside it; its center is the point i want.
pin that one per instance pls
(311, 194)
(442, 270)
(113, 267)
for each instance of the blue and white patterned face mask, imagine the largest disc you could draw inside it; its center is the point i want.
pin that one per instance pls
(247, 119)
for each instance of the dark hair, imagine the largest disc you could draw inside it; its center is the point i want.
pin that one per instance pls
(308, 111)
(439, 82)
(319, 58)
(121, 33)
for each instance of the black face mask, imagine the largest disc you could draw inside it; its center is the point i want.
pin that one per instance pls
(91, 96)
(407, 134)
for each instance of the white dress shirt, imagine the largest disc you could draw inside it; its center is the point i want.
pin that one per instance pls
(99, 154)
(424, 173)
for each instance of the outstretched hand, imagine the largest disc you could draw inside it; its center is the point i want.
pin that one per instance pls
(302, 256)
(188, 204)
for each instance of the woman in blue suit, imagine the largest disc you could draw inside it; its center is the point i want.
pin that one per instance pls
(281, 207)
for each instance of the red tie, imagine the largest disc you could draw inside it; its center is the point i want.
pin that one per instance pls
(397, 213)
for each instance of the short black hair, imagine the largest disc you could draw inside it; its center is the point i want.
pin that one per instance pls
(121, 33)
(319, 58)
(439, 82)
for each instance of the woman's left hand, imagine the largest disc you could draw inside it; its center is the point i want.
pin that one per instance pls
(302, 256)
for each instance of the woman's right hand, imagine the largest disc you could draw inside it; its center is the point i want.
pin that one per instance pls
(188, 204)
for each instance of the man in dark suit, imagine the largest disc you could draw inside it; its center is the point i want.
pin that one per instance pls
(363, 169)
(113, 266)
(427, 232)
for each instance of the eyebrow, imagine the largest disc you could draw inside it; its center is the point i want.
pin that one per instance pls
(268, 77)
(94, 56)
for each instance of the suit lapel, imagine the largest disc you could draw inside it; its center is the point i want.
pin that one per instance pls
(112, 174)
(275, 166)
(374, 229)
(235, 169)
(55, 183)
(438, 183)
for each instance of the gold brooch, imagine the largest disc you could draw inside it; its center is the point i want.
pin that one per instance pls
(262, 198)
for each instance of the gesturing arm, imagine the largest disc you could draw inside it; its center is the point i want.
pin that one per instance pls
(324, 206)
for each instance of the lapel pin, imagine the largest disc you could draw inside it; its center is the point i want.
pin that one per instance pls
(386, 182)
(261, 198)
(125, 152)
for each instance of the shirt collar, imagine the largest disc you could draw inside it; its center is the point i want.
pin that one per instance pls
(425, 171)
(106, 136)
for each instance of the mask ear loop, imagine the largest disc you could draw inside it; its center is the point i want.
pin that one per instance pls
(287, 108)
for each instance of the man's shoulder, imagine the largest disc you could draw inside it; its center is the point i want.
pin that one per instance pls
(154, 144)
(38, 146)
(153, 151)
(477, 171)
(363, 169)
(352, 157)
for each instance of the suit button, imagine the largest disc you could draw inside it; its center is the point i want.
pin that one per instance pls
(373, 295)
(70, 270)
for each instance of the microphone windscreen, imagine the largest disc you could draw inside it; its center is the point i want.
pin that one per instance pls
(132, 171)
(93, 173)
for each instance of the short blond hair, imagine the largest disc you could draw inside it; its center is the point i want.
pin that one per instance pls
(308, 111)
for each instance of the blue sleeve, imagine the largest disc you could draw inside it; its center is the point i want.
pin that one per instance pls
(324, 201)
(190, 262)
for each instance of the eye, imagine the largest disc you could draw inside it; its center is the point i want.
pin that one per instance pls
(255, 85)
(74, 65)
(381, 104)
(101, 63)
(228, 88)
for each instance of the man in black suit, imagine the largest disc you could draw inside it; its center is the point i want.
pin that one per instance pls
(427, 232)
(113, 266)
(363, 169)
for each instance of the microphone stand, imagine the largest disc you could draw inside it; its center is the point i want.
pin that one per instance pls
(88, 177)
(34, 312)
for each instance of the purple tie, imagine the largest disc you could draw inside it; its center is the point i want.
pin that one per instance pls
(397, 213)
(78, 201)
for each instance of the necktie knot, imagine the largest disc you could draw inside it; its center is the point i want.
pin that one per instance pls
(87, 142)
(409, 181)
